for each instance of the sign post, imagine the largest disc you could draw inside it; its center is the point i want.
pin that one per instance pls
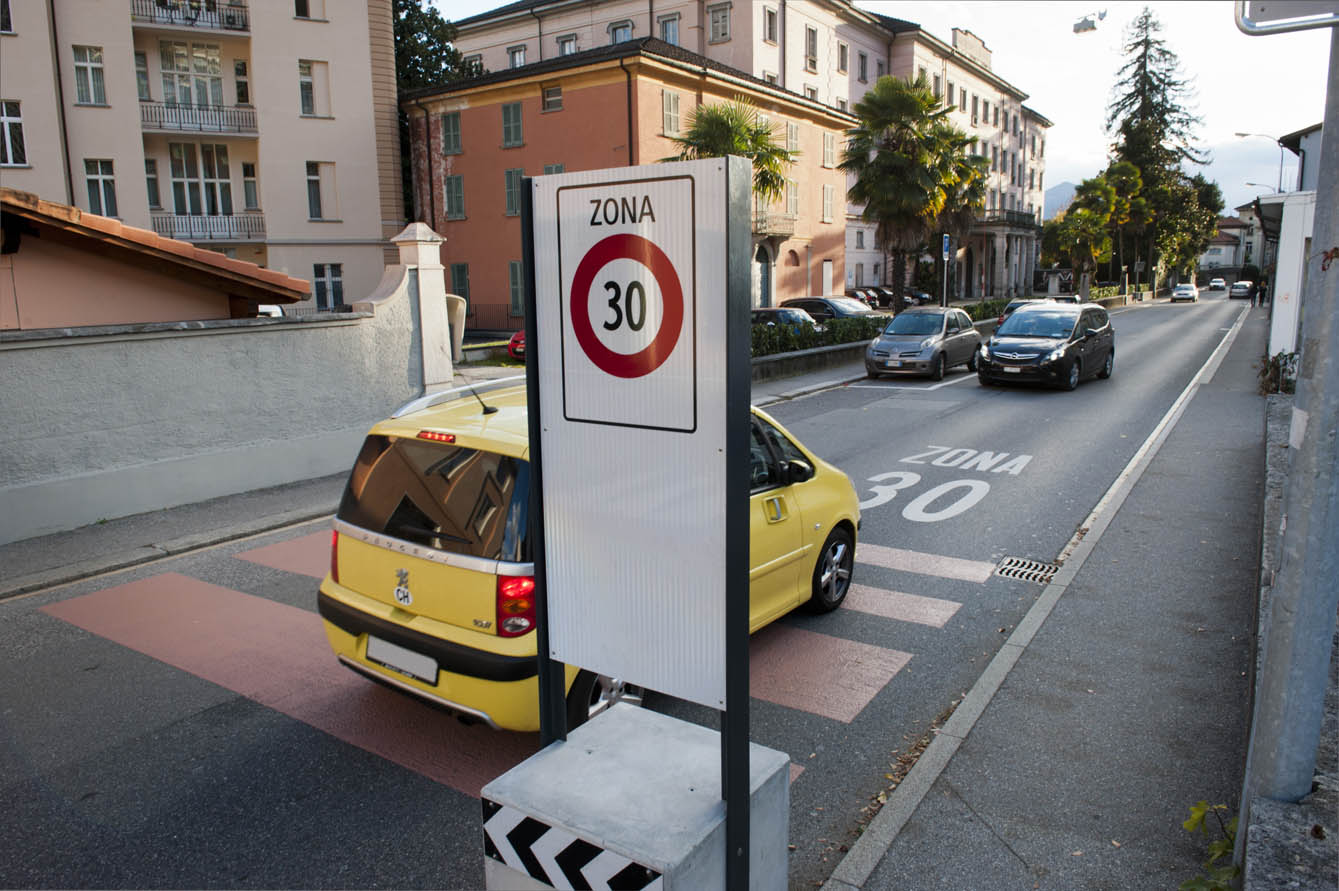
(943, 293)
(638, 386)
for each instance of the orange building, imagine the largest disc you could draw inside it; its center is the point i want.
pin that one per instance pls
(614, 106)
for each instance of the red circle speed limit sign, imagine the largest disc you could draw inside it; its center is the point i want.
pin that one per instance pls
(627, 302)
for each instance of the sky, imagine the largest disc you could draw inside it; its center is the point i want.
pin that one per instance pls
(1265, 85)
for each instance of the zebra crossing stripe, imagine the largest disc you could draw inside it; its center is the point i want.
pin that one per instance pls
(557, 857)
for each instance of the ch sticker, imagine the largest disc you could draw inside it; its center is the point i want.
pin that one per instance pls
(402, 595)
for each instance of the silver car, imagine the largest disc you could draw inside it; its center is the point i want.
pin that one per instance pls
(925, 340)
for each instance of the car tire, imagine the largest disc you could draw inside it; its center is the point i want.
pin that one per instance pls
(971, 362)
(940, 366)
(1071, 381)
(983, 380)
(832, 573)
(1108, 365)
(872, 375)
(592, 693)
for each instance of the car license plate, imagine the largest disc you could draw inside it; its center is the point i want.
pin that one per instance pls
(893, 363)
(1009, 370)
(397, 658)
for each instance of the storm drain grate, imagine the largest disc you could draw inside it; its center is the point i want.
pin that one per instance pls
(1027, 570)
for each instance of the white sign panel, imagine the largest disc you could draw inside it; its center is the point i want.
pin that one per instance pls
(630, 271)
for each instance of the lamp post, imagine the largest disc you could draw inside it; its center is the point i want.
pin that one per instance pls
(1263, 186)
(1280, 145)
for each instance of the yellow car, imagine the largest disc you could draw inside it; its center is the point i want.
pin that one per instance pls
(430, 583)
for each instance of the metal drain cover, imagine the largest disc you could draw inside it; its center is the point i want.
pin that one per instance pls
(1027, 570)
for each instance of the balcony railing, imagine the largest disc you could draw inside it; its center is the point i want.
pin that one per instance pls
(772, 223)
(197, 118)
(247, 226)
(1011, 218)
(218, 15)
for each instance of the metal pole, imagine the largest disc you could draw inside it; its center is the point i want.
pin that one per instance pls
(1289, 707)
(1280, 188)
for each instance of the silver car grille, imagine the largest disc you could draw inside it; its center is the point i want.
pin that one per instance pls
(910, 354)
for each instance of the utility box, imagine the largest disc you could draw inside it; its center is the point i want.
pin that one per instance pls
(632, 799)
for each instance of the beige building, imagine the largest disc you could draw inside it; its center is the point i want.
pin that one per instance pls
(830, 52)
(264, 131)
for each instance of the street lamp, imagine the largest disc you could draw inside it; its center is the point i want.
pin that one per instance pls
(1263, 186)
(1086, 23)
(1280, 145)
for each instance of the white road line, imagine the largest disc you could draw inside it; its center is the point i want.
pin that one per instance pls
(924, 564)
(902, 607)
(876, 386)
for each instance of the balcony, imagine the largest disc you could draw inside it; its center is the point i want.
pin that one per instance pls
(214, 15)
(247, 226)
(767, 222)
(169, 117)
(1009, 218)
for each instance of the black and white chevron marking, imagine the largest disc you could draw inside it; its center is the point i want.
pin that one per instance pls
(558, 858)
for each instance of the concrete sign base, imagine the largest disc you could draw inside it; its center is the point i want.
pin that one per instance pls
(632, 799)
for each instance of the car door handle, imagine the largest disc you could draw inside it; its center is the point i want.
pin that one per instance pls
(774, 509)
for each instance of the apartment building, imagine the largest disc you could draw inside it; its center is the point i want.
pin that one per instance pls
(265, 131)
(615, 105)
(830, 52)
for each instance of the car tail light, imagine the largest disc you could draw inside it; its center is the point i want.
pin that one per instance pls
(334, 557)
(436, 436)
(515, 605)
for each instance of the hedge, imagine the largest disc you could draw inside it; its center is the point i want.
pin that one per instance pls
(768, 340)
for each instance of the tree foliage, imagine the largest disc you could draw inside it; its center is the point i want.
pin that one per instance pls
(914, 171)
(1151, 91)
(734, 128)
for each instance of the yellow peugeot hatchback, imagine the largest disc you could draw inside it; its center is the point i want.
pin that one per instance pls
(431, 580)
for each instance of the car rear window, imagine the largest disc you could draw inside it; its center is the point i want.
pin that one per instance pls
(450, 498)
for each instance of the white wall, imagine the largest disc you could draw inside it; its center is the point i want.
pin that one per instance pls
(1299, 212)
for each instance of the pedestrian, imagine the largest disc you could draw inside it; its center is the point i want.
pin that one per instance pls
(1264, 292)
(1255, 293)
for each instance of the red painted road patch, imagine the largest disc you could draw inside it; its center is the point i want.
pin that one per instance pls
(308, 555)
(818, 673)
(277, 655)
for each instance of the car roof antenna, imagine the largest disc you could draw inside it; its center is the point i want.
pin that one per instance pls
(488, 409)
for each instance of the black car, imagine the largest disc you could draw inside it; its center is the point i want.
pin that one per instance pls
(785, 316)
(1049, 343)
(825, 308)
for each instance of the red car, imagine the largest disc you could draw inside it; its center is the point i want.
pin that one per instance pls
(516, 346)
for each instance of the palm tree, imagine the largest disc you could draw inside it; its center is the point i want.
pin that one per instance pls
(734, 128)
(913, 173)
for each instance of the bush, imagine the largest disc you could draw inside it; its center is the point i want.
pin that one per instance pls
(990, 309)
(1104, 292)
(768, 340)
(1278, 373)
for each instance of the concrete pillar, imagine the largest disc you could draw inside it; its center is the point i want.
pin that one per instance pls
(421, 249)
(999, 265)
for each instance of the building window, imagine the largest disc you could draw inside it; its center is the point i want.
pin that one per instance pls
(1042, 152)
(516, 286)
(938, 86)
(876, 275)
(142, 75)
(320, 190)
(302, 9)
(620, 31)
(454, 188)
(720, 22)
(6, 23)
(511, 125)
(474, 63)
(976, 111)
(878, 68)
(828, 193)
(997, 115)
(843, 57)
(669, 29)
(985, 110)
(12, 151)
(314, 87)
(922, 74)
(460, 282)
(962, 98)
(89, 86)
(101, 186)
(250, 187)
(241, 81)
(949, 96)
(192, 73)
(553, 168)
(860, 239)
(860, 275)
(769, 25)
(792, 137)
(810, 48)
(769, 76)
(792, 197)
(511, 181)
(862, 67)
(841, 105)
(567, 44)
(1032, 179)
(451, 133)
(516, 56)
(669, 112)
(216, 179)
(811, 93)
(994, 158)
(151, 183)
(552, 99)
(328, 285)
(829, 149)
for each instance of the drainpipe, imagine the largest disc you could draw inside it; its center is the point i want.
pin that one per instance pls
(539, 32)
(702, 25)
(781, 39)
(60, 106)
(432, 187)
(632, 151)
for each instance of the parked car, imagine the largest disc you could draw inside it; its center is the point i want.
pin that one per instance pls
(1217, 284)
(924, 340)
(866, 296)
(1049, 343)
(833, 307)
(786, 316)
(1015, 304)
(1240, 289)
(516, 346)
(431, 576)
(917, 297)
(1185, 291)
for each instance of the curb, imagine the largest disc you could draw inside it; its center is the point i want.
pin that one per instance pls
(808, 389)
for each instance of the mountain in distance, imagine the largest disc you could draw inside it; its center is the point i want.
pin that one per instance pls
(1058, 198)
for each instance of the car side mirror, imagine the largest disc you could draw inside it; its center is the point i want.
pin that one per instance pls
(798, 471)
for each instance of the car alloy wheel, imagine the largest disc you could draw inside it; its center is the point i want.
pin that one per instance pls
(1108, 365)
(940, 366)
(832, 575)
(971, 363)
(1072, 379)
(592, 693)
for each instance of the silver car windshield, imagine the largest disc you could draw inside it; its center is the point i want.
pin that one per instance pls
(915, 324)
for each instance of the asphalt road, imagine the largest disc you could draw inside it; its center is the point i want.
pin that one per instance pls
(179, 725)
